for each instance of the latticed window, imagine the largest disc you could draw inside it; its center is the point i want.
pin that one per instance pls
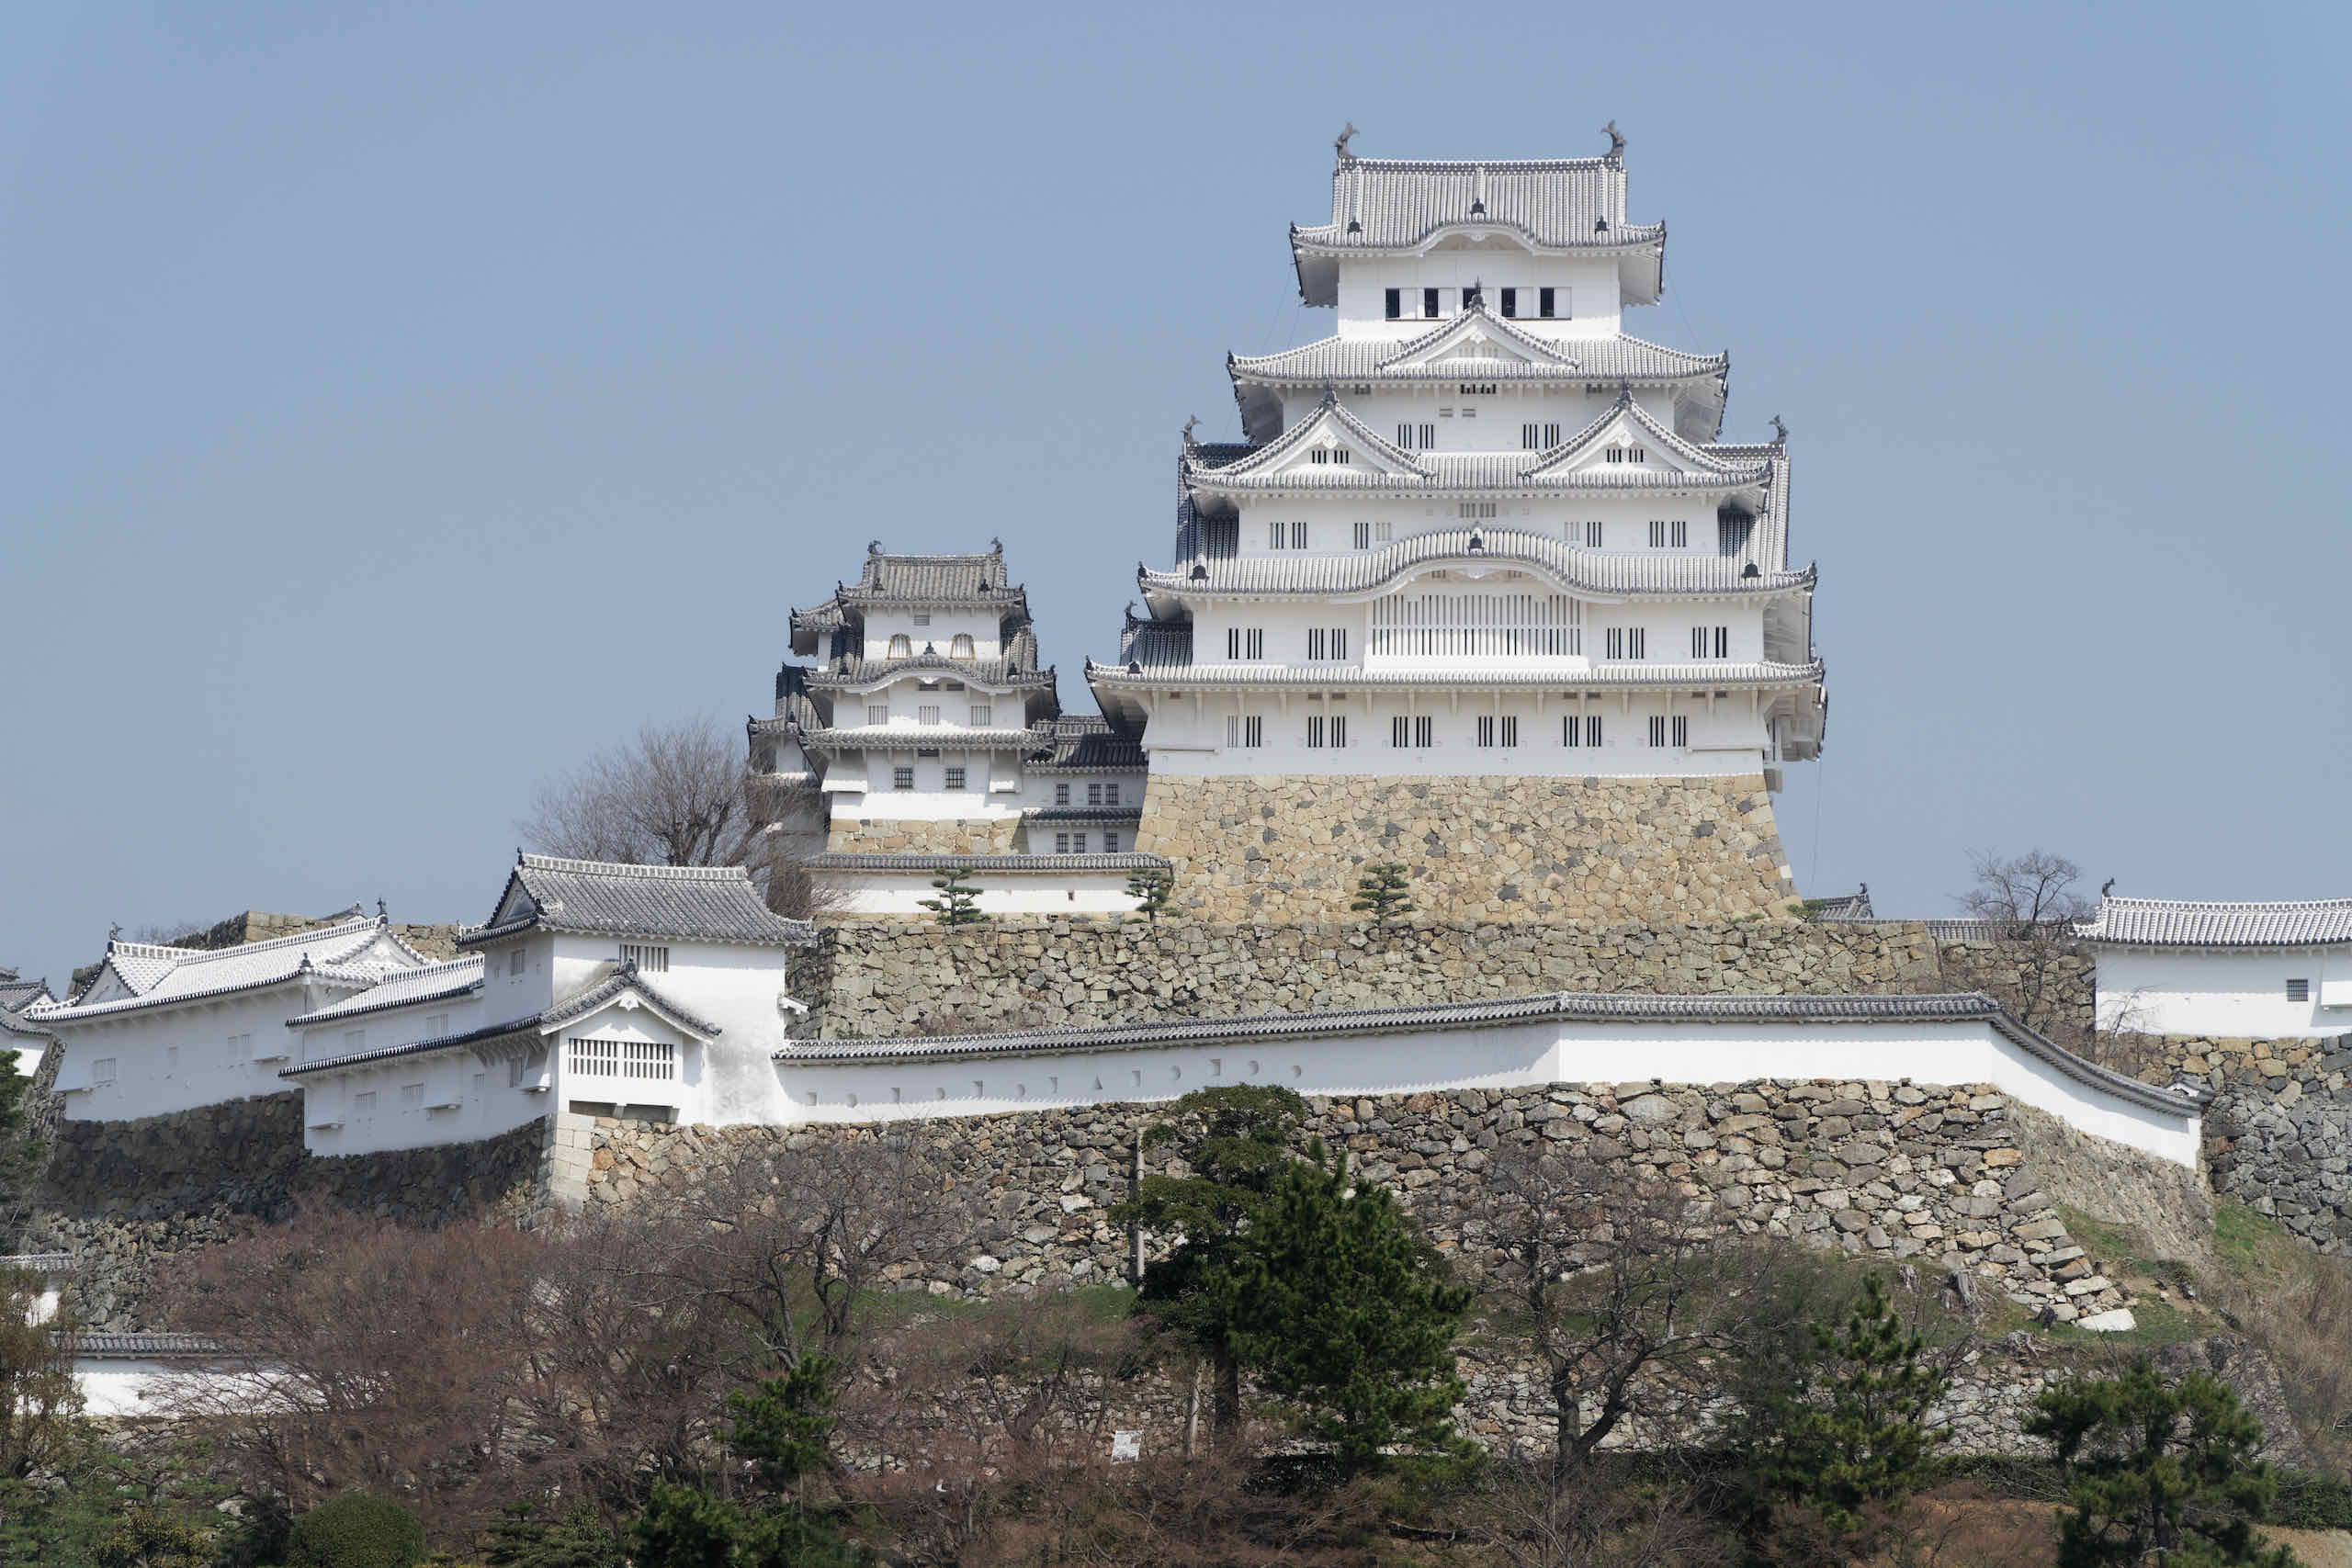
(1244, 730)
(1580, 729)
(955, 778)
(649, 960)
(1476, 625)
(1413, 729)
(623, 1058)
(983, 716)
(902, 647)
(1628, 642)
(960, 645)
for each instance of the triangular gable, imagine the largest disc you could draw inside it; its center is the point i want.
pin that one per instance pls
(1478, 337)
(109, 986)
(1626, 425)
(515, 902)
(630, 994)
(1331, 425)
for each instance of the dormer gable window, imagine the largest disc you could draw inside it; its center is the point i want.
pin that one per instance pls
(960, 645)
(902, 647)
(1330, 455)
(1627, 455)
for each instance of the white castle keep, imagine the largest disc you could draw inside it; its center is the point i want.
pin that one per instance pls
(1483, 592)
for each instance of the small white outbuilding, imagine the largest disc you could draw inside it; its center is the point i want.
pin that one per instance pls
(2231, 971)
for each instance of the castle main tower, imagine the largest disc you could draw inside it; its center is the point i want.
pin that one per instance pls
(1483, 591)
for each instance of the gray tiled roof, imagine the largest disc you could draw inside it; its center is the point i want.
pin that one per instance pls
(37, 1262)
(139, 1347)
(700, 903)
(1395, 471)
(16, 995)
(919, 579)
(435, 982)
(1386, 203)
(1845, 907)
(616, 978)
(1084, 816)
(1156, 642)
(1020, 865)
(166, 976)
(1609, 359)
(2187, 923)
(1571, 566)
(916, 738)
(1606, 1007)
(851, 672)
(1085, 742)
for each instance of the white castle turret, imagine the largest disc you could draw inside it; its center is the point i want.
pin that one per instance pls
(1482, 589)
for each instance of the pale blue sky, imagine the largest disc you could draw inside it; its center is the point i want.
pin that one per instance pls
(400, 403)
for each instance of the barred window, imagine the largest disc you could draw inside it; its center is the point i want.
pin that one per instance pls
(623, 1058)
(1326, 729)
(1244, 730)
(1580, 729)
(960, 645)
(927, 713)
(1592, 534)
(1416, 730)
(1670, 731)
(649, 960)
(1070, 844)
(1061, 795)
(1669, 534)
(1245, 642)
(1477, 508)
(902, 778)
(877, 713)
(1325, 643)
(983, 716)
(956, 778)
(1711, 642)
(1628, 642)
(902, 647)
(412, 1097)
(2299, 990)
(1110, 843)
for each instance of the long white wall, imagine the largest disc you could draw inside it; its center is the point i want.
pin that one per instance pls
(1587, 300)
(2228, 995)
(1061, 893)
(154, 1061)
(1499, 1056)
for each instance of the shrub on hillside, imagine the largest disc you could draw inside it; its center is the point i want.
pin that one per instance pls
(357, 1530)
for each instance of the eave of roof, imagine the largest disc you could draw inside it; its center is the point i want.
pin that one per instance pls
(907, 738)
(624, 979)
(2178, 923)
(1614, 677)
(1369, 574)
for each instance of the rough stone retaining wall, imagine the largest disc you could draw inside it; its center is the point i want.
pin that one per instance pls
(123, 1195)
(873, 978)
(1484, 847)
(951, 836)
(1892, 1169)
(2278, 1135)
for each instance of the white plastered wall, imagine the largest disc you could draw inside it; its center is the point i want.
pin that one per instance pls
(183, 1056)
(1542, 1051)
(1590, 307)
(1056, 893)
(2231, 994)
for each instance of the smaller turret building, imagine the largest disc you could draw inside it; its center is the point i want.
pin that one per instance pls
(927, 735)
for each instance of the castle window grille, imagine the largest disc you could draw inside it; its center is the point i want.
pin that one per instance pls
(649, 960)
(902, 778)
(1628, 642)
(1477, 508)
(1110, 843)
(1580, 729)
(1412, 730)
(877, 713)
(623, 1058)
(1592, 534)
(1245, 642)
(412, 1097)
(960, 645)
(1669, 534)
(923, 618)
(2299, 990)
(983, 716)
(1670, 731)
(956, 778)
(1711, 642)
(927, 713)
(1061, 795)
(1094, 794)
(902, 647)
(1244, 730)
(1477, 625)
(1493, 729)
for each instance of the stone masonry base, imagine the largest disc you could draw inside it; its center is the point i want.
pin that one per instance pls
(947, 835)
(1486, 847)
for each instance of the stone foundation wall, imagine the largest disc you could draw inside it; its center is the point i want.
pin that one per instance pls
(2279, 1133)
(1895, 1171)
(1291, 847)
(125, 1197)
(950, 836)
(870, 978)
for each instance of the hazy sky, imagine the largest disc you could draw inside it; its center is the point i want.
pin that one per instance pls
(400, 403)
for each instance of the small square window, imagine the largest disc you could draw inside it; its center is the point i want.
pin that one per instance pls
(902, 778)
(1110, 843)
(514, 961)
(2299, 990)
(955, 778)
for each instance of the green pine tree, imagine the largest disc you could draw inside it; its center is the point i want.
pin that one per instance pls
(577, 1540)
(686, 1527)
(958, 903)
(2157, 1471)
(1342, 1309)
(784, 1427)
(1233, 1142)
(1384, 893)
(1150, 888)
(1853, 1430)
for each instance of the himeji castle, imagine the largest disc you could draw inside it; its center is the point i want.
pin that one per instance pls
(1483, 591)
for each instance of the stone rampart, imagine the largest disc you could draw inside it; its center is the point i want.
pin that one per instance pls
(1485, 846)
(1895, 1171)
(2279, 1133)
(872, 978)
(123, 1196)
(947, 835)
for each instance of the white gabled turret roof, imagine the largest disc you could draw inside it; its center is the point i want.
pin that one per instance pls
(1618, 358)
(355, 953)
(1291, 451)
(587, 898)
(1627, 423)
(2188, 922)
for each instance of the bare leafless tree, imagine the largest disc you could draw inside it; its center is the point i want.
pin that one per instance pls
(1620, 1287)
(2030, 904)
(678, 793)
(797, 1238)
